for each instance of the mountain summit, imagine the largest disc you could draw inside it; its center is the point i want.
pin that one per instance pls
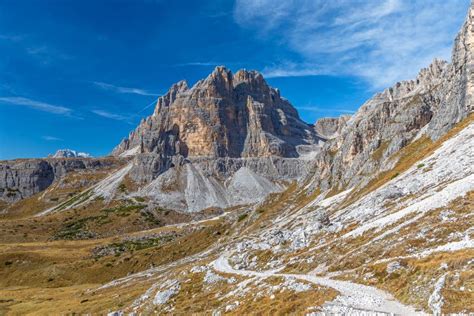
(69, 153)
(229, 139)
(224, 115)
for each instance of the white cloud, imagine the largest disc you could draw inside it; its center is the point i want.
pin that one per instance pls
(197, 63)
(117, 89)
(382, 41)
(37, 105)
(110, 115)
(51, 138)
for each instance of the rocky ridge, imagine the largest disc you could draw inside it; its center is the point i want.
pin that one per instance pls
(224, 115)
(429, 106)
(69, 153)
(22, 178)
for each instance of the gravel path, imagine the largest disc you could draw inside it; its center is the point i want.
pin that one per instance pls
(352, 296)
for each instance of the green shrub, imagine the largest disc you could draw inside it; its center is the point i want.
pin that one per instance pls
(242, 217)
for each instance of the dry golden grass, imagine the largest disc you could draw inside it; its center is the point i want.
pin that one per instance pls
(56, 267)
(378, 153)
(128, 185)
(285, 302)
(195, 297)
(413, 283)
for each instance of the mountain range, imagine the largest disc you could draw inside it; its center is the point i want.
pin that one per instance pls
(224, 201)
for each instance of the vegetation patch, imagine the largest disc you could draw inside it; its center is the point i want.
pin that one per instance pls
(82, 228)
(378, 153)
(132, 244)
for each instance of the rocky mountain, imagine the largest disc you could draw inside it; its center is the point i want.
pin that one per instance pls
(224, 202)
(212, 144)
(68, 153)
(224, 115)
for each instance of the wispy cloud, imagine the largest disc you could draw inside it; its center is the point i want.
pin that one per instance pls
(118, 89)
(51, 138)
(13, 38)
(109, 115)
(323, 110)
(382, 41)
(197, 63)
(291, 69)
(46, 55)
(37, 105)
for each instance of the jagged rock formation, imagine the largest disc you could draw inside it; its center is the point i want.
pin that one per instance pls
(330, 127)
(223, 115)
(226, 131)
(68, 153)
(440, 96)
(24, 177)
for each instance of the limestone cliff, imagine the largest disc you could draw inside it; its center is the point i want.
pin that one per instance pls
(429, 106)
(223, 115)
(24, 177)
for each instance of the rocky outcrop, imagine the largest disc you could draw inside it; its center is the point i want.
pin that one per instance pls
(228, 140)
(330, 127)
(223, 115)
(22, 178)
(429, 106)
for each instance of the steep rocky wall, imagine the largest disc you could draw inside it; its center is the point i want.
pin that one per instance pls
(224, 115)
(330, 127)
(430, 105)
(24, 177)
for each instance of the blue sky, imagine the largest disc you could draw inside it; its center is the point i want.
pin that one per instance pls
(81, 74)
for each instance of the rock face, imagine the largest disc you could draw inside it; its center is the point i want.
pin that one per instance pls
(228, 140)
(22, 178)
(440, 96)
(68, 153)
(330, 127)
(223, 115)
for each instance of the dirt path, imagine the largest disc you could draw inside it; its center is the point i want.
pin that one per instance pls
(353, 296)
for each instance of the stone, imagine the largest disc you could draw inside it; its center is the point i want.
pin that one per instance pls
(23, 178)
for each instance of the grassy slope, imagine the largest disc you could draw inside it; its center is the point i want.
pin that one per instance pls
(43, 276)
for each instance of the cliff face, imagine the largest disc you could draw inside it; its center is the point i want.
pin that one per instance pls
(20, 179)
(227, 136)
(331, 127)
(429, 106)
(223, 115)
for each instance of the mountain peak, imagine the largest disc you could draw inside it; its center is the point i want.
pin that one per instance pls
(223, 115)
(69, 153)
